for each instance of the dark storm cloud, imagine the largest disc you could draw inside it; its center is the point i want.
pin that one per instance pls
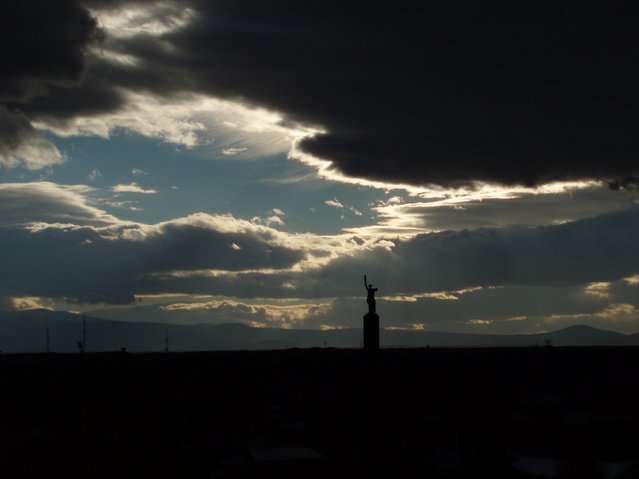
(87, 264)
(449, 92)
(15, 131)
(63, 104)
(603, 248)
(43, 43)
(21, 143)
(515, 92)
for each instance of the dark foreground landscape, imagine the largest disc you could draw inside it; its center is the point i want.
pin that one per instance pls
(518, 412)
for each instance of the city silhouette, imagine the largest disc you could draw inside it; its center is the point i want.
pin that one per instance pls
(317, 412)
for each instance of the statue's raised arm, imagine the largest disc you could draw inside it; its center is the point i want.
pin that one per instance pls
(365, 282)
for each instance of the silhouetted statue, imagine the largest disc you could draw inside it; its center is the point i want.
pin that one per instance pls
(370, 297)
(371, 320)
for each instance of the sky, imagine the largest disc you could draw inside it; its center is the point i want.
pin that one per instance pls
(249, 161)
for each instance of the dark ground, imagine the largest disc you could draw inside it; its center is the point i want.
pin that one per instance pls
(322, 412)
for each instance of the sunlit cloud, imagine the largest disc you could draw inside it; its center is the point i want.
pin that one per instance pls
(329, 327)
(613, 312)
(326, 169)
(25, 303)
(124, 205)
(45, 202)
(441, 295)
(219, 127)
(554, 203)
(621, 311)
(268, 221)
(409, 327)
(599, 289)
(481, 322)
(233, 151)
(155, 18)
(261, 312)
(334, 203)
(132, 188)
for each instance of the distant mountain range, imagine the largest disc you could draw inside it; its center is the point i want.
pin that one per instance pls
(26, 331)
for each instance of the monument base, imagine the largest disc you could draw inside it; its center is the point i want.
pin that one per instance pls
(371, 332)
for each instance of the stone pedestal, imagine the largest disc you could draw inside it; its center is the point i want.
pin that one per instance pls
(371, 332)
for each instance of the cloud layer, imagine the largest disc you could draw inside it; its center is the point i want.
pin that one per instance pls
(514, 93)
(522, 278)
(91, 264)
(45, 202)
(61, 247)
(596, 249)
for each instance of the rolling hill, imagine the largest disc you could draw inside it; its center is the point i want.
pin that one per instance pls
(26, 331)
